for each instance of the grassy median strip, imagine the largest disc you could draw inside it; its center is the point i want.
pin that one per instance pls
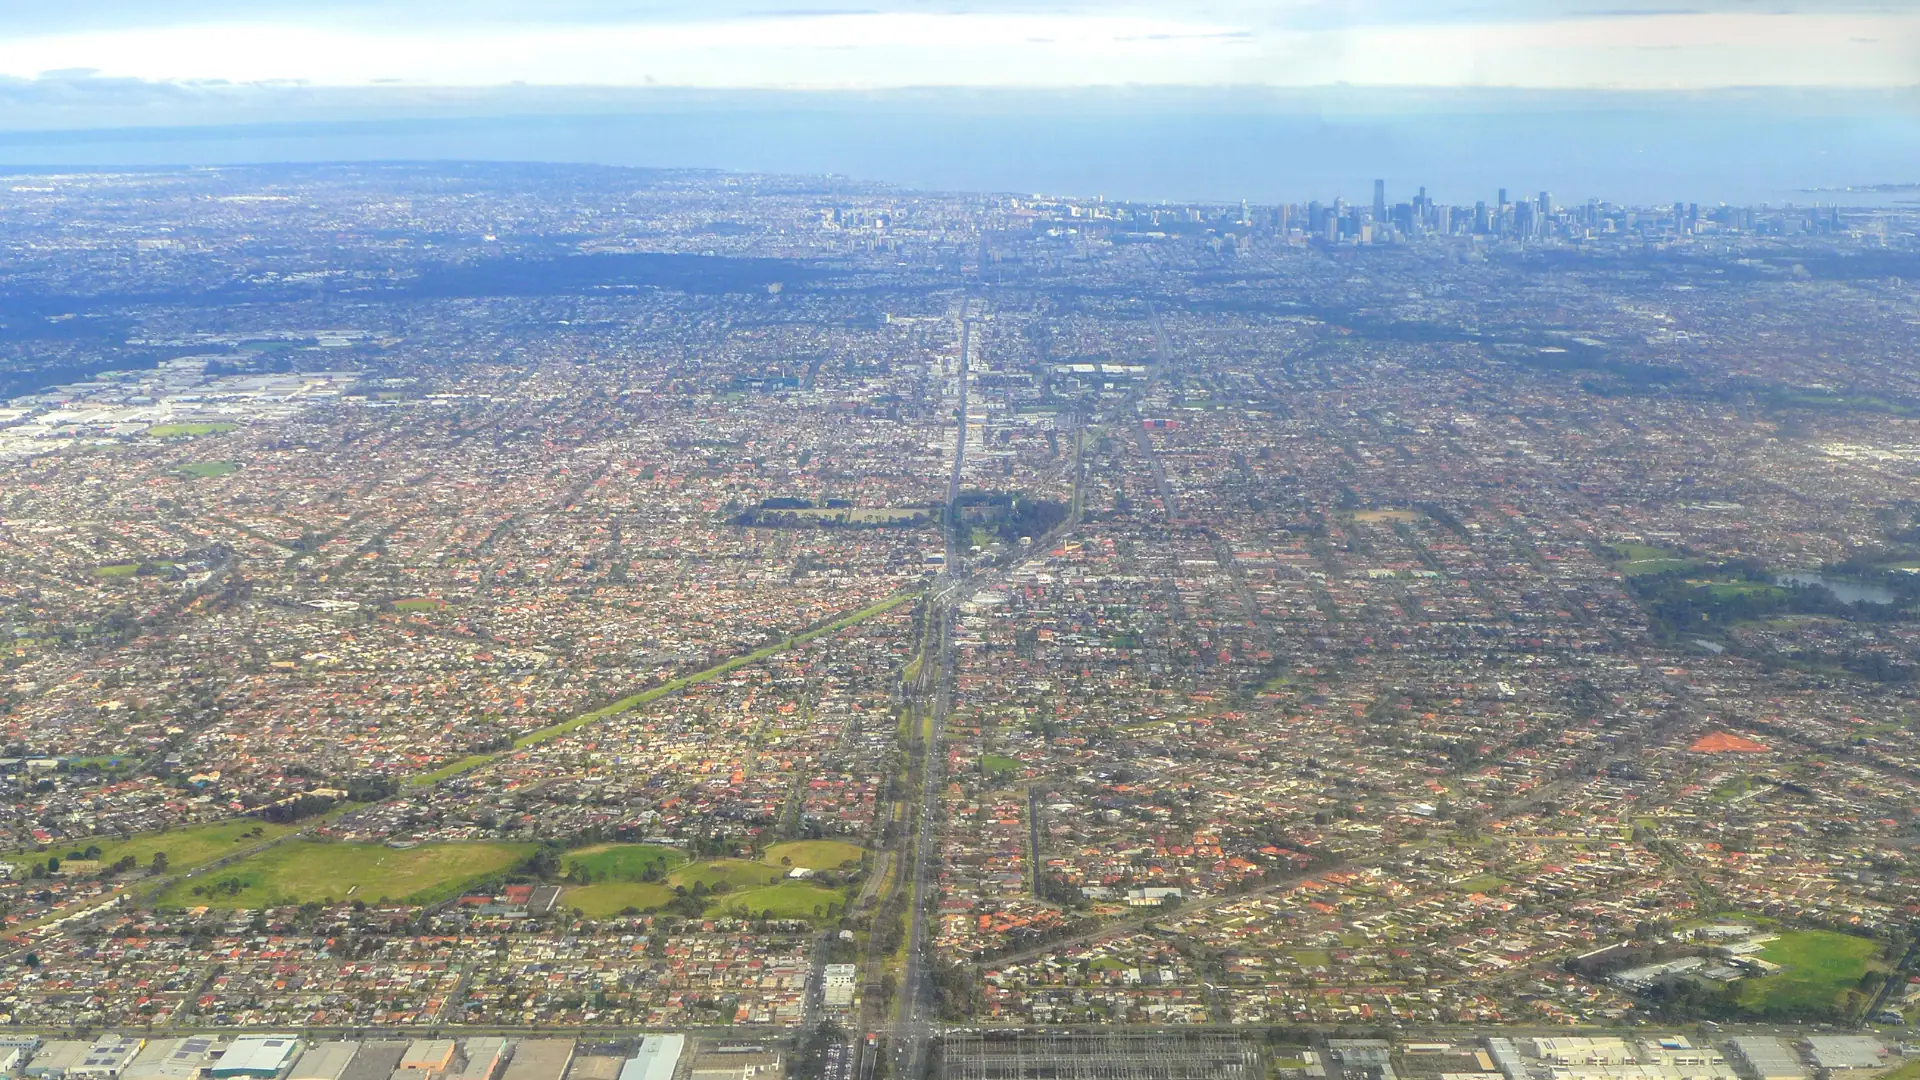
(674, 686)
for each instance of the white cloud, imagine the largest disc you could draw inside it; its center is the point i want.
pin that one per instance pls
(894, 49)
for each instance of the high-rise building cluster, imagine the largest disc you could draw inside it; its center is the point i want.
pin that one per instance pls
(1515, 217)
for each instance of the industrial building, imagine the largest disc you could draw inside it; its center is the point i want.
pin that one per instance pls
(1102, 1056)
(325, 1061)
(56, 1058)
(105, 1058)
(539, 1059)
(657, 1058)
(176, 1059)
(737, 1062)
(425, 1057)
(1837, 1053)
(483, 1059)
(596, 1067)
(262, 1057)
(375, 1061)
(1761, 1058)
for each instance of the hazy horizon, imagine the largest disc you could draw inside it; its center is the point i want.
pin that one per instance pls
(1170, 144)
(1215, 99)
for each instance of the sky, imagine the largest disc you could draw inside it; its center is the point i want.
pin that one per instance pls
(1191, 99)
(764, 44)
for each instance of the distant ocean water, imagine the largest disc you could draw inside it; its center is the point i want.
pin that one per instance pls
(1705, 154)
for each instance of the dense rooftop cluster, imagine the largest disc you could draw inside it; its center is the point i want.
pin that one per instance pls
(502, 597)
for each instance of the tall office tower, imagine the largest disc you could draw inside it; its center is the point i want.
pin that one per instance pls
(1482, 220)
(1546, 204)
(1379, 200)
(1503, 198)
(1443, 219)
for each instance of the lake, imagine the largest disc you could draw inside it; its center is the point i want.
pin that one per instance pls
(1849, 592)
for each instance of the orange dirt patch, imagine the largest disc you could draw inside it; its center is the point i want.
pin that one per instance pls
(1722, 742)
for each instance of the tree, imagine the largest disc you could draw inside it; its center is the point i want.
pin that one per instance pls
(159, 862)
(543, 863)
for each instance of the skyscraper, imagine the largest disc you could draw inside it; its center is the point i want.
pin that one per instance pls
(1379, 200)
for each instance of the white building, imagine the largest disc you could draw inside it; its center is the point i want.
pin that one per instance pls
(837, 986)
(658, 1057)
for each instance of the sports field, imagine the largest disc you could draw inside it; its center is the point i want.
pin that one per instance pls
(1638, 559)
(419, 603)
(613, 897)
(166, 431)
(998, 765)
(1819, 968)
(815, 854)
(195, 845)
(301, 870)
(736, 873)
(623, 862)
(787, 900)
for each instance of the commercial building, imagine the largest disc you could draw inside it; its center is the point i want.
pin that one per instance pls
(836, 990)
